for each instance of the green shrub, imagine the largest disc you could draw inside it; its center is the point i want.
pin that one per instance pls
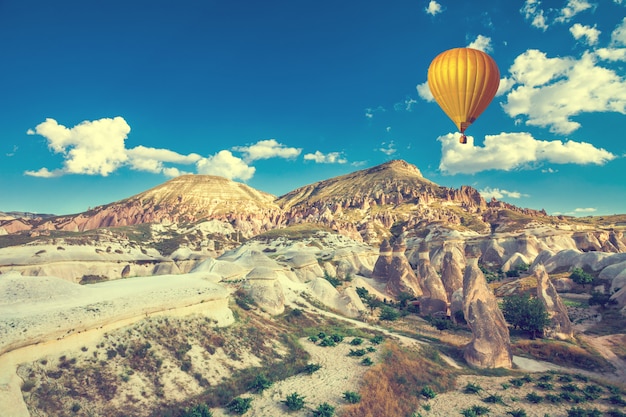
(617, 400)
(260, 383)
(581, 277)
(356, 341)
(517, 413)
(312, 367)
(377, 340)
(525, 313)
(544, 385)
(200, 410)
(428, 392)
(581, 412)
(614, 413)
(351, 397)
(324, 410)
(493, 399)
(239, 405)
(357, 352)
(389, 314)
(534, 398)
(553, 398)
(471, 388)
(367, 362)
(294, 401)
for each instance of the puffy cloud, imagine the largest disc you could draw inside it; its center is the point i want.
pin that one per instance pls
(550, 91)
(98, 148)
(388, 148)
(540, 18)
(611, 54)
(146, 159)
(91, 147)
(572, 8)
(266, 149)
(433, 8)
(488, 193)
(534, 14)
(482, 43)
(44, 173)
(509, 151)
(590, 34)
(618, 36)
(329, 158)
(424, 92)
(225, 164)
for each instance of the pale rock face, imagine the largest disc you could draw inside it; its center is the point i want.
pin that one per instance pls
(452, 268)
(381, 267)
(401, 277)
(435, 299)
(560, 326)
(265, 289)
(514, 261)
(490, 346)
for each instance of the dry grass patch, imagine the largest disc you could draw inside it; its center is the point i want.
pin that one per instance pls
(562, 353)
(393, 387)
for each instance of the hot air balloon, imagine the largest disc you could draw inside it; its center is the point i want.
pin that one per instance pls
(463, 82)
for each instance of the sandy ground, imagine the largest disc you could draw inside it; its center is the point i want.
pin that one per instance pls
(339, 373)
(42, 316)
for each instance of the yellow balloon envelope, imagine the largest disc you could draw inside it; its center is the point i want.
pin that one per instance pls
(463, 82)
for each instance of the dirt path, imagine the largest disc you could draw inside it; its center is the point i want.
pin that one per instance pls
(604, 345)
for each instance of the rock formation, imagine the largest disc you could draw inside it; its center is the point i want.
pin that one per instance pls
(435, 298)
(381, 267)
(452, 267)
(265, 289)
(560, 326)
(490, 346)
(401, 277)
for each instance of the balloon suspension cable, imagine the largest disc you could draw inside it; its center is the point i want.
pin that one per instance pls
(463, 138)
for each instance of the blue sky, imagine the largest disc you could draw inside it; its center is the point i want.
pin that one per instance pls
(103, 100)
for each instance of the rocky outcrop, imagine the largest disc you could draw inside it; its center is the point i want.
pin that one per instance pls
(401, 277)
(490, 346)
(265, 289)
(435, 299)
(452, 267)
(560, 326)
(383, 263)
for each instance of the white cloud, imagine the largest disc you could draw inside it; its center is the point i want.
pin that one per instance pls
(611, 54)
(488, 193)
(590, 34)
(618, 36)
(329, 158)
(482, 43)
(370, 112)
(509, 151)
(433, 8)
(532, 12)
(92, 148)
(44, 173)
(406, 105)
(97, 148)
(585, 210)
(388, 148)
(550, 91)
(424, 91)
(572, 8)
(225, 164)
(266, 149)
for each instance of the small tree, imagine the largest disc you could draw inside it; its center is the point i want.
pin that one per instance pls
(389, 313)
(525, 313)
(581, 277)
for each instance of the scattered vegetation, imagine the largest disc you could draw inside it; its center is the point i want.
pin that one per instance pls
(294, 401)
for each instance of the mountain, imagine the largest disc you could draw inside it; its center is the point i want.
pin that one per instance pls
(369, 205)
